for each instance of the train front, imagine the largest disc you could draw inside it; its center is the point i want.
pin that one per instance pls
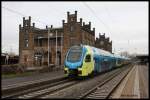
(73, 61)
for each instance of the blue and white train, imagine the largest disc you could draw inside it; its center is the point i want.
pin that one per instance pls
(84, 60)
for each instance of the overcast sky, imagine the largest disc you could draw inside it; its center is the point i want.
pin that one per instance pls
(126, 23)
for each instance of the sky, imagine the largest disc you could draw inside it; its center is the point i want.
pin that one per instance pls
(125, 23)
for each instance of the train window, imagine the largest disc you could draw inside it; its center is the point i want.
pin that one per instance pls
(88, 58)
(74, 54)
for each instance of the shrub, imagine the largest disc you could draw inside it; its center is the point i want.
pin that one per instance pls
(8, 69)
(13, 68)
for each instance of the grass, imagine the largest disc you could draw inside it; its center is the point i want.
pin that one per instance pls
(17, 75)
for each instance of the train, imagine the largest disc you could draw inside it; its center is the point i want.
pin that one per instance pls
(84, 60)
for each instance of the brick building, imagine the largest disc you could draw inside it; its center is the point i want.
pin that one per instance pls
(33, 42)
(103, 43)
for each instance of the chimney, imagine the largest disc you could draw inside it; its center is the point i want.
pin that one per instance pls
(94, 30)
(33, 25)
(19, 26)
(23, 18)
(99, 35)
(68, 16)
(63, 21)
(23, 21)
(90, 25)
(107, 40)
(51, 26)
(81, 21)
(104, 34)
(68, 13)
(75, 16)
(29, 21)
(29, 17)
(75, 13)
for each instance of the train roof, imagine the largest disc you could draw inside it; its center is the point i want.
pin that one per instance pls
(105, 53)
(100, 51)
(121, 57)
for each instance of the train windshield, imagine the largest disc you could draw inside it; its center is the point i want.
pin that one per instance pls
(74, 54)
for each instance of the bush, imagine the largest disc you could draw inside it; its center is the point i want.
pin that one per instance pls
(14, 68)
(7, 69)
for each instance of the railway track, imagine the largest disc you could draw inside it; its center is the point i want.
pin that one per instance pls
(48, 90)
(26, 87)
(106, 87)
(42, 89)
(61, 93)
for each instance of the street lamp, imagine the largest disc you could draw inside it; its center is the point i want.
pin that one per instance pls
(61, 46)
(49, 34)
(48, 47)
(56, 49)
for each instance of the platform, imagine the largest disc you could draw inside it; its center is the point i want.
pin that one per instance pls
(135, 84)
(34, 77)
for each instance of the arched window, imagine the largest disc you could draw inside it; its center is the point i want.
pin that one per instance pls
(26, 42)
(71, 28)
(71, 19)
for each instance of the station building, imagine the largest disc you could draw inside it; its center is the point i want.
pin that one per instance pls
(33, 42)
(103, 42)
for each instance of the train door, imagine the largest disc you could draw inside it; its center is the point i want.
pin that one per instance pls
(88, 63)
(110, 62)
(105, 64)
(97, 64)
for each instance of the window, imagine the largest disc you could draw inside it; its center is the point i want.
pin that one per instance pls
(74, 54)
(27, 45)
(26, 42)
(102, 42)
(71, 28)
(40, 40)
(26, 23)
(71, 19)
(88, 58)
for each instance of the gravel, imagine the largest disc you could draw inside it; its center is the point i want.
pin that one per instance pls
(77, 90)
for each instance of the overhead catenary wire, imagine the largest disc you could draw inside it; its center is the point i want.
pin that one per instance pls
(97, 16)
(99, 19)
(108, 13)
(23, 15)
(13, 11)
